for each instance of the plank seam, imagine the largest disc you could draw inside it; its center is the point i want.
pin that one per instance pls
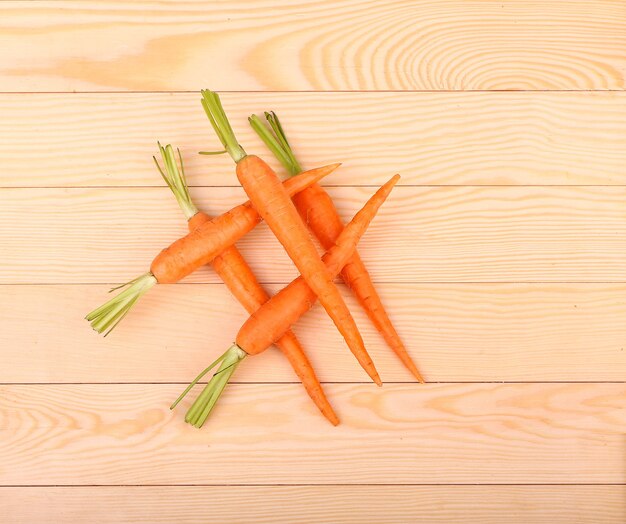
(313, 91)
(556, 484)
(269, 383)
(331, 186)
(377, 282)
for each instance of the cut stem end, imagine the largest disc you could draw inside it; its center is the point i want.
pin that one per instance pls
(175, 179)
(275, 139)
(217, 116)
(110, 314)
(204, 404)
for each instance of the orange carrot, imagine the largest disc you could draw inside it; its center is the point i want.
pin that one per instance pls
(208, 240)
(192, 251)
(274, 317)
(263, 326)
(241, 281)
(237, 274)
(274, 205)
(318, 211)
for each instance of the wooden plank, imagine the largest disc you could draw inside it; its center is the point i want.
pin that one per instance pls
(456, 332)
(268, 434)
(430, 138)
(350, 45)
(511, 234)
(322, 504)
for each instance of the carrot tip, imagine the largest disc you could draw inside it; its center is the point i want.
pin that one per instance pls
(413, 370)
(331, 416)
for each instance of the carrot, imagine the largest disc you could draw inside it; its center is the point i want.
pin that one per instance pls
(240, 280)
(274, 318)
(274, 205)
(190, 252)
(298, 297)
(318, 211)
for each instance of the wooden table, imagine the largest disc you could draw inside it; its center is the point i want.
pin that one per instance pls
(502, 258)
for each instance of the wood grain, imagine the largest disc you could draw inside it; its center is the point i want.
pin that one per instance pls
(266, 434)
(347, 45)
(456, 332)
(429, 138)
(501, 259)
(323, 504)
(451, 234)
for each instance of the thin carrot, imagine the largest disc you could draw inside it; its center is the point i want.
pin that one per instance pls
(275, 317)
(192, 251)
(261, 328)
(318, 211)
(274, 205)
(208, 240)
(241, 281)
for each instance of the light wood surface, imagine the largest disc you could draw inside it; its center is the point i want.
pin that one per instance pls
(457, 332)
(328, 45)
(443, 234)
(500, 257)
(452, 138)
(270, 434)
(304, 504)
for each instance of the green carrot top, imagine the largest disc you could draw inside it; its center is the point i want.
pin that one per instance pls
(276, 141)
(175, 178)
(217, 116)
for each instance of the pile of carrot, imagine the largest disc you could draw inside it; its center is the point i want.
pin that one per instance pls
(292, 209)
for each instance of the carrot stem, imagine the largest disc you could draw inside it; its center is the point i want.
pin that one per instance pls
(287, 160)
(276, 141)
(212, 152)
(204, 404)
(109, 314)
(175, 179)
(196, 380)
(279, 133)
(217, 116)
